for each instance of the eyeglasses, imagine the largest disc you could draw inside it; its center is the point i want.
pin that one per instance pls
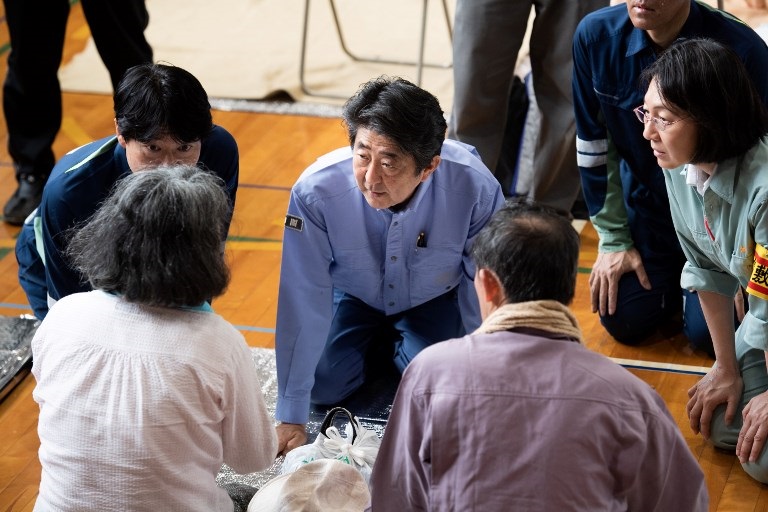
(661, 124)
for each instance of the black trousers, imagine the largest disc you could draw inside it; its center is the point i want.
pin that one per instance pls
(31, 92)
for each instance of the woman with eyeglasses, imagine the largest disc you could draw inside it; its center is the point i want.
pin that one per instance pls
(707, 124)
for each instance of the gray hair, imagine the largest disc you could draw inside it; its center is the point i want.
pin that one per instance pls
(157, 238)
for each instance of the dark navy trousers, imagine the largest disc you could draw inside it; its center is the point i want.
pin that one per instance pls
(363, 340)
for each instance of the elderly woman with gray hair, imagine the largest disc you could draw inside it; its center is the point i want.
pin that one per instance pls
(144, 392)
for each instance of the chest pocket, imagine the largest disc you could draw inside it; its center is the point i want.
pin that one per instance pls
(741, 266)
(352, 267)
(365, 258)
(624, 96)
(433, 271)
(743, 254)
(702, 239)
(619, 86)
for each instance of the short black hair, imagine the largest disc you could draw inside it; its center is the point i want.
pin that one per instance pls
(157, 238)
(705, 80)
(533, 250)
(400, 111)
(157, 100)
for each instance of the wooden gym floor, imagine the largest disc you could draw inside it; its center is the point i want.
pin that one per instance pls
(274, 149)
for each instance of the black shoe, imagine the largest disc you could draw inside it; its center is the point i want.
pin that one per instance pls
(26, 198)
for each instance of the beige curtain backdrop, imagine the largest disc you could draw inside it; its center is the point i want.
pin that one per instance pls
(249, 49)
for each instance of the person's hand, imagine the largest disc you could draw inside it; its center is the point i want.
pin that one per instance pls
(754, 430)
(290, 436)
(606, 272)
(719, 386)
(756, 4)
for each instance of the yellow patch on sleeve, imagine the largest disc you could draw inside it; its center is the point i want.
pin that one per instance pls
(758, 281)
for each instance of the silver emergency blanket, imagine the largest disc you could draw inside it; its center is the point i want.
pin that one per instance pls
(371, 405)
(16, 334)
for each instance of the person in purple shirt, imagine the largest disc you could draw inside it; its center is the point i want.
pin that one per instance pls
(375, 262)
(520, 415)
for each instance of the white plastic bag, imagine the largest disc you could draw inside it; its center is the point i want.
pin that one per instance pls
(356, 446)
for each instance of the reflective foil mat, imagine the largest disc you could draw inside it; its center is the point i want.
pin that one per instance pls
(16, 334)
(370, 404)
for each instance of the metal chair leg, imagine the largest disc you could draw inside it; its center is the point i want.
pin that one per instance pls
(419, 63)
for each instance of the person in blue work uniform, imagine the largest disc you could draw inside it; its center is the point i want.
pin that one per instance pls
(708, 128)
(635, 281)
(162, 116)
(376, 250)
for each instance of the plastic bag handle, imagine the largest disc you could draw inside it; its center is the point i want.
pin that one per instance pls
(332, 414)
